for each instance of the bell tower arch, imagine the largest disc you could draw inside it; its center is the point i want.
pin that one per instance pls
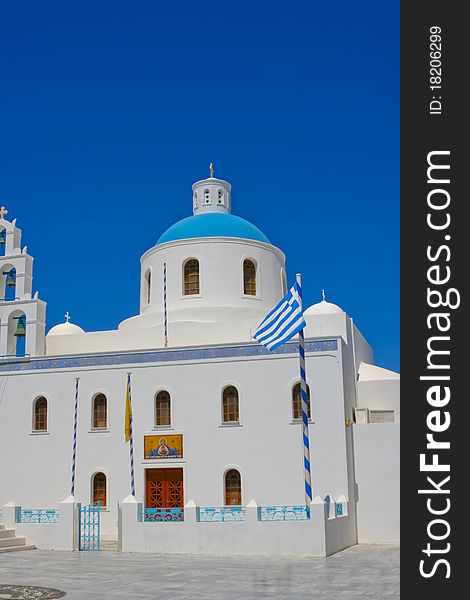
(22, 315)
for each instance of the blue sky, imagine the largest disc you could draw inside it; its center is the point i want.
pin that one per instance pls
(110, 110)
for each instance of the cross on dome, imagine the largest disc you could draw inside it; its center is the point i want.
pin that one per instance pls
(67, 317)
(211, 170)
(323, 295)
(3, 211)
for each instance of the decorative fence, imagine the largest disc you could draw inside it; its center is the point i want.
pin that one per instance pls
(162, 515)
(45, 528)
(220, 514)
(284, 513)
(36, 515)
(228, 514)
(312, 530)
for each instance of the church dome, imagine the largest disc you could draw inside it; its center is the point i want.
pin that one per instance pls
(323, 308)
(66, 328)
(213, 224)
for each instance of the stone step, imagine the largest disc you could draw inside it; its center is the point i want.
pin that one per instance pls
(12, 541)
(6, 533)
(107, 545)
(16, 548)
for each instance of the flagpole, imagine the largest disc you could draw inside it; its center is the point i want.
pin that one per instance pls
(131, 436)
(164, 305)
(74, 451)
(303, 388)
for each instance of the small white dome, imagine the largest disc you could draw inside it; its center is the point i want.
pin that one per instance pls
(323, 308)
(66, 328)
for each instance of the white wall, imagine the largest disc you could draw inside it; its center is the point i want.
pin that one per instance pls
(316, 536)
(380, 395)
(266, 447)
(377, 456)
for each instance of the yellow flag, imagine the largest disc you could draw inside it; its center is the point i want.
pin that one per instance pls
(128, 418)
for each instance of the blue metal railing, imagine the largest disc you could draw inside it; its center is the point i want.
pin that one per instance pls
(221, 514)
(162, 515)
(36, 515)
(284, 513)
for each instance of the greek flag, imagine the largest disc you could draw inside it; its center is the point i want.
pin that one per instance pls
(283, 322)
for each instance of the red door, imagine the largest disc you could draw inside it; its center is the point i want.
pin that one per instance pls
(164, 488)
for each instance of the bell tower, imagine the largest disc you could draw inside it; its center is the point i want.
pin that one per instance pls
(22, 316)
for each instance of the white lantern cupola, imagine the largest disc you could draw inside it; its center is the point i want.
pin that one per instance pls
(211, 195)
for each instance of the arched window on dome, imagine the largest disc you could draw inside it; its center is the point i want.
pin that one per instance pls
(100, 412)
(162, 409)
(233, 488)
(40, 414)
(148, 285)
(230, 405)
(191, 277)
(297, 402)
(283, 281)
(249, 278)
(220, 196)
(99, 489)
(207, 196)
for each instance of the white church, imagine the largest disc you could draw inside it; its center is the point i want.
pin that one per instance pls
(216, 419)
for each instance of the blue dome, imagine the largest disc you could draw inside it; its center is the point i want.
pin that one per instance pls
(213, 225)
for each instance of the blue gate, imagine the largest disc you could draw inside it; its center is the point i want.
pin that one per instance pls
(89, 527)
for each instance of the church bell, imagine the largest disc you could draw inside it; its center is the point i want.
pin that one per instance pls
(20, 327)
(2, 239)
(10, 282)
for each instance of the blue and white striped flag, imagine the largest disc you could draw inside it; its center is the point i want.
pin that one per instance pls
(284, 321)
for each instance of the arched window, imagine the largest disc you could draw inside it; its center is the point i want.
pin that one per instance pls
(191, 277)
(230, 408)
(98, 489)
(249, 278)
(220, 196)
(40, 414)
(207, 196)
(148, 287)
(233, 488)
(100, 412)
(162, 409)
(297, 402)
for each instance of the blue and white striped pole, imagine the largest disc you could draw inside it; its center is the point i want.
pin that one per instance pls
(131, 440)
(164, 305)
(303, 389)
(74, 451)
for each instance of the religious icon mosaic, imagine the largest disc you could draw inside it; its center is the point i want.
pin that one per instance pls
(163, 446)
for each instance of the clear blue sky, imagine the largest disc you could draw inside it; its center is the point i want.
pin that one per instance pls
(110, 110)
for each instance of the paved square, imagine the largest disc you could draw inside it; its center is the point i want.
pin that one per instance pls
(358, 572)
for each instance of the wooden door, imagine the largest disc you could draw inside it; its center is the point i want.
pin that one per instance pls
(164, 488)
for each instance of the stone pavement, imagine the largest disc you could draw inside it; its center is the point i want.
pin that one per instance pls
(358, 572)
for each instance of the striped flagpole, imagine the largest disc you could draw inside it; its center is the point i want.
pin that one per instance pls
(74, 451)
(303, 388)
(164, 304)
(131, 440)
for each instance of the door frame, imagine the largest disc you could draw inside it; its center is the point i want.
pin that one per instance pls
(165, 466)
